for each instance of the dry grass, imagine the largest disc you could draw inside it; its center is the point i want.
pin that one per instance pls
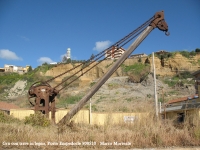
(144, 133)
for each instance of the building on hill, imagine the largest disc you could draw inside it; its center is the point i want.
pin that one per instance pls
(161, 52)
(68, 53)
(181, 107)
(2, 70)
(184, 106)
(16, 69)
(8, 68)
(53, 63)
(114, 52)
(138, 55)
(7, 106)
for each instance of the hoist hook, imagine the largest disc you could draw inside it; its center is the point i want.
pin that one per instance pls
(167, 33)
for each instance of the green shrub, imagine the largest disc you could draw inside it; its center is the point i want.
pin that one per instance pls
(37, 119)
(137, 72)
(93, 83)
(5, 118)
(63, 102)
(185, 75)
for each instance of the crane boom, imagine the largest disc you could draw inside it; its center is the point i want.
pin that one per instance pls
(157, 22)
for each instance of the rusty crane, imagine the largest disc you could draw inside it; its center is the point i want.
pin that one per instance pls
(45, 95)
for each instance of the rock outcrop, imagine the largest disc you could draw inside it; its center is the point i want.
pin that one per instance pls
(170, 66)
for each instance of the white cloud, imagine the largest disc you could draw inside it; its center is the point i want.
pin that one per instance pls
(9, 55)
(101, 45)
(25, 38)
(42, 60)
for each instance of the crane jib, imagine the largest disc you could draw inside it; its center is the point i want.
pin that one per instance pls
(45, 95)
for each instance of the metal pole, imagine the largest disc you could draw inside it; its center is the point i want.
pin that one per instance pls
(90, 112)
(81, 103)
(155, 91)
(160, 107)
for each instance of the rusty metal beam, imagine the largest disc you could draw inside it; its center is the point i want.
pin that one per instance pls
(95, 88)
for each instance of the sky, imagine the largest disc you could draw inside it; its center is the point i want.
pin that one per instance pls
(36, 31)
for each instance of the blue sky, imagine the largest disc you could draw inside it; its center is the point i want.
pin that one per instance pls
(34, 31)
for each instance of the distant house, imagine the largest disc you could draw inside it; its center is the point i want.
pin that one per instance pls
(53, 63)
(114, 52)
(25, 69)
(17, 69)
(161, 52)
(181, 107)
(184, 106)
(2, 70)
(138, 55)
(6, 107)
(8, 68)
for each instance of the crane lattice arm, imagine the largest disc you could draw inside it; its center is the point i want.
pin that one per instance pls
(45, 95)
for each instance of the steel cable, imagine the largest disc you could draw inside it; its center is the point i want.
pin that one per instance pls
(116, 44)
(89, 68)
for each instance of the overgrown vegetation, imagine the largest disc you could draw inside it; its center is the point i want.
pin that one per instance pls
(8, 79)
(179, 79)
(136, 72)
(93, 83)
(5, 118)
(64, 102)
(37, 119)
(147, 132)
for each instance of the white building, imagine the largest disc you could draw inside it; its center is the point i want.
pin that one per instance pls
(15, 68)
(138, 55)
(114, 53)
(53, 63)
(68, 53)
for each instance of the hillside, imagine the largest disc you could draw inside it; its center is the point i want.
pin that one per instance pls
(129, 86)
(171, 66)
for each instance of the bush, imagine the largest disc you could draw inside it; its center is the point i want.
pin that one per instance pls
(137, 72)
(185, 75)
(37, 119)
(69, 100)
(5, 118)
(197, 50)
(93, 83)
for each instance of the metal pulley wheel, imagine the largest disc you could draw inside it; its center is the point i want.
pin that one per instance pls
(31, 95)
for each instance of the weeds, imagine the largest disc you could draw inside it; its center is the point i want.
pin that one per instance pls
(64, 102)
(136, 72)
(37, 119)
(147, 132)
(5, 118)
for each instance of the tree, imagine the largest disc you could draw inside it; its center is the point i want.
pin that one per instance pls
(197, 50)
(169, 55)
(92, 57)
(29, 69)
(192, 53)
(64, 60)
(147, 61)
(68, 61)
(140, 60)
(45, 63)
(162, 60)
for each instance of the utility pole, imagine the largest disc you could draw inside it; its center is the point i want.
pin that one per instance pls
(155, 91)
(90, 112)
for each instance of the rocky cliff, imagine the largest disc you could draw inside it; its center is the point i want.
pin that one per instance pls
(167, 67)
